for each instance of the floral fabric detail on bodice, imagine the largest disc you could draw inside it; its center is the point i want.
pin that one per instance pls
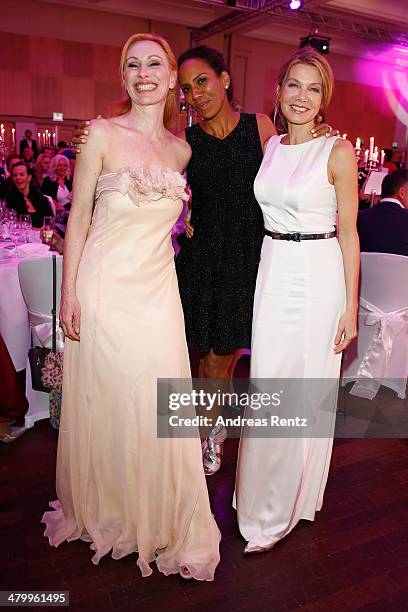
(144, 185)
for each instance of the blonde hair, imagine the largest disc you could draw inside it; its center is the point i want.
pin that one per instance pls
(123, 106)
(308, 56)
(53, 166)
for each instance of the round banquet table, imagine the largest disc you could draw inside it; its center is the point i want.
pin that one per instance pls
(14, 325)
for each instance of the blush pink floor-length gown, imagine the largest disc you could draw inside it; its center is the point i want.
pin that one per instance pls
(119, 486)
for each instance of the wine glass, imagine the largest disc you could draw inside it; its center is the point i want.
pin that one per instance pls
(16, 235)
(3, 209)
(11, 214)
(26, 223)
(48, 229)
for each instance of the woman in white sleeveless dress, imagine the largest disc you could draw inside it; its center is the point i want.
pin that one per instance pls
(306, 298)
(118, 485)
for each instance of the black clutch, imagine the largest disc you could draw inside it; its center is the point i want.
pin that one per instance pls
(36, 357)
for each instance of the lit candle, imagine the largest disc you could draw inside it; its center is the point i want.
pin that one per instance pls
(13, 137)
(54, 139)
(382, 156)
(39, 139)
(358, 144)
(47, 141)
(366, 152)
(344, 136)
(2, 131)
(371, 147)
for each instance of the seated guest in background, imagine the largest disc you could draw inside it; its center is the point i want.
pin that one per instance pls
(28, 158)
(388, 163)
(58, 184)
(61, 146)
(71, 157)
(28, 142)
(25, 198)
(6, 182)
(384, 227)
(13, 403)
(41, 168)
(50, 151)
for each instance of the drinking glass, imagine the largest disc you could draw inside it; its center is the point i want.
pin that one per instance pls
(11, 214)
(48, 229)
(26, 223)
(16, 235)
(2, 209)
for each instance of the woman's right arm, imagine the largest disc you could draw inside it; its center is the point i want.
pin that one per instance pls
(87, 170)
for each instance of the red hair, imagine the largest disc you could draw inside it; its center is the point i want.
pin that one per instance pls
(123, 106)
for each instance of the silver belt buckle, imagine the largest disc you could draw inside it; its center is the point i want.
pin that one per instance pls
(295, 237)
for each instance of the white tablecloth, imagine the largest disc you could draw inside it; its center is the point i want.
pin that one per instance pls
(14, 326)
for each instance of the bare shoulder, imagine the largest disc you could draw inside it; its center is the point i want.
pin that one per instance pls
(264, 121)
(181, 134)
(182, 150)
(266, 128)
(98, 129)
(342, 150)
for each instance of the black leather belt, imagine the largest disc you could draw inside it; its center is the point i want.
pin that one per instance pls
(296, 237)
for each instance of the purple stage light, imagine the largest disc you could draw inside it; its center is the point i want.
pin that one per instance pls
(294, 5)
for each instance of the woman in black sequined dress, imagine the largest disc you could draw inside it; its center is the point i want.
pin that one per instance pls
(217, 267)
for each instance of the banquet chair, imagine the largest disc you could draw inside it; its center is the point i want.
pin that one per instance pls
(379, 356)
(51, 202)
(35, 276)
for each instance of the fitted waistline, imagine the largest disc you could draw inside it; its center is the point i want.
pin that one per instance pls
(297, 237)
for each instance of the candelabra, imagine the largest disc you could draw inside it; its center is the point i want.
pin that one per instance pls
(370, 156)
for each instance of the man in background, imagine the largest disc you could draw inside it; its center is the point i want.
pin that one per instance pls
(30, 143)
(384, 227)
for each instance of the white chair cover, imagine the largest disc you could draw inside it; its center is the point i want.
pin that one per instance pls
(35, 276)
(52, 204)
(380, 355)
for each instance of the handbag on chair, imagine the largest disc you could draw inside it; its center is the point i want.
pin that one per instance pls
(46, 364)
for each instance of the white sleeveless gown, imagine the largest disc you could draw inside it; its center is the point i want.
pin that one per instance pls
(299, 298)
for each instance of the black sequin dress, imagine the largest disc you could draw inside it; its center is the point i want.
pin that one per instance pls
(217, 268)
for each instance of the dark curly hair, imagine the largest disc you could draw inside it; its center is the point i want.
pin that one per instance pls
(213, 58)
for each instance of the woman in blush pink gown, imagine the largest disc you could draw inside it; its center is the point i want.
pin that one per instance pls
(119, 486)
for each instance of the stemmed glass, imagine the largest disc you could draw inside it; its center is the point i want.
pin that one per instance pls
(16, 235)
(9, 215)
(2, 217)
(26, 226)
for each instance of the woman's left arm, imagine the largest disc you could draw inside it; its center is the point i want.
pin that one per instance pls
(342, 169)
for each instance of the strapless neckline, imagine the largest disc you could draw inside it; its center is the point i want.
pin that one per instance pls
(144, 185)
(136, 168)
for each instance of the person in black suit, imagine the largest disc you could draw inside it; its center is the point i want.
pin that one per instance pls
(384, 227)
(28, 142)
